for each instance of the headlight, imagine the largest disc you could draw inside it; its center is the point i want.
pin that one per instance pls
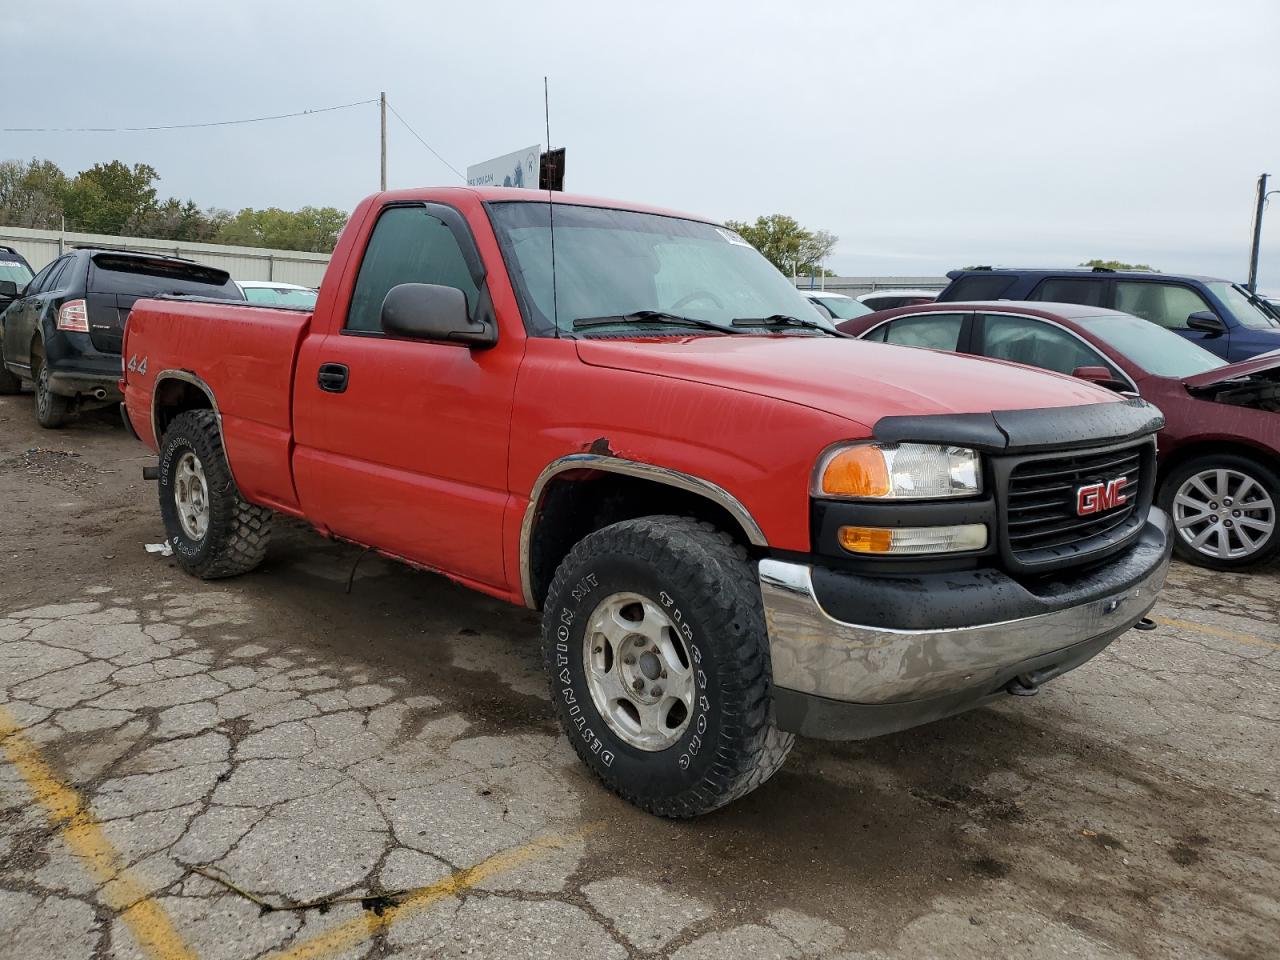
(897, 471)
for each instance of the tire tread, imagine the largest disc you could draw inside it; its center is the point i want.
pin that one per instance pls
(750, 749)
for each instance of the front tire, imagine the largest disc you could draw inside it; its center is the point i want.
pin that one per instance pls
(1224, 511)
(214, 531)
(657, 656)
(52, 409)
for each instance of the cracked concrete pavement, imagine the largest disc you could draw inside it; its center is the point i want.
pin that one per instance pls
(382, 771)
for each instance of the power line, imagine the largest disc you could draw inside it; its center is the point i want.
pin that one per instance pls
(460, 174)
(189, 126)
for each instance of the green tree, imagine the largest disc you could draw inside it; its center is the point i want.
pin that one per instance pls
(311, 228)
(1118, 265)
(111, 197)
(176, 220)
(788, 246)
(115, 198)
(32, 194)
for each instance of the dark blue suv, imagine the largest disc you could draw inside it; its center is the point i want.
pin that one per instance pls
(1219, 315)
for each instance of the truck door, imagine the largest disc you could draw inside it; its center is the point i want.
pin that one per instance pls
(402, 444)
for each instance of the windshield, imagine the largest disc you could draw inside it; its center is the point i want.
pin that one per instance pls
(281, 297)
(1156, 350)
(14, 270)
(617, 263)
(844, 308)
(1246, 312)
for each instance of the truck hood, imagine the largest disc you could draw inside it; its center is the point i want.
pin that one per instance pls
(1234, 371)
(855, 379)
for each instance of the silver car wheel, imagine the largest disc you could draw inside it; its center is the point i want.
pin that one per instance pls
(191, 495)
(638, 671)
(1224, 514)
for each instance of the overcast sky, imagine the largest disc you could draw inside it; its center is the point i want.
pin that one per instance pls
(927, 134)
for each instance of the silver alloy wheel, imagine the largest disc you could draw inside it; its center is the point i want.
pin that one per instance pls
(1224, 514)
(44, 398)
(191, 496)
(638, 671)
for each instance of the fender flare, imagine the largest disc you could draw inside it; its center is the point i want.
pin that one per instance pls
(632, 468)
(186, 376)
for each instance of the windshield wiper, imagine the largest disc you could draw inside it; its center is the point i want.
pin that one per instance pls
(785, 320)
(649, 316)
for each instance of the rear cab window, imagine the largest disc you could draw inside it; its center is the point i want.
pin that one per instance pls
(134, 276)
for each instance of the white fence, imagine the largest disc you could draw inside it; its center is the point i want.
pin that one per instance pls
(856, 286)
(243, 263)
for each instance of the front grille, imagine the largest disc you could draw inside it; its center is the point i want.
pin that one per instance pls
(1042, 524)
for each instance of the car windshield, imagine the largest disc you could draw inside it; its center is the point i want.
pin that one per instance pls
(1246, 312)
(1156, 350)
(281, 297)
(844, 308)
(14, 270)
(621, 263)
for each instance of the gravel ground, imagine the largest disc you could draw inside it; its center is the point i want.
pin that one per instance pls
(271, 766)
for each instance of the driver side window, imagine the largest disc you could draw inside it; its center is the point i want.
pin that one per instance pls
(1165, 304)
(407, 245)
(38, 281)
(1037, 344)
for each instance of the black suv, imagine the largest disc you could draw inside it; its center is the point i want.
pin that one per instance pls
(1221, 316)
(64, 330)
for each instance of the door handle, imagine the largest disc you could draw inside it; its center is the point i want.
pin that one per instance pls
(332, 377)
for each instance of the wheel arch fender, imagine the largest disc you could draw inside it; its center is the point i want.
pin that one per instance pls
(177, 391)
(569, 470)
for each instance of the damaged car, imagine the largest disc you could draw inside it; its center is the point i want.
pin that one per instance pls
(1219, 452)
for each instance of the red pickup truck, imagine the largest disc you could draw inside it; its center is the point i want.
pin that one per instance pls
(739, 525)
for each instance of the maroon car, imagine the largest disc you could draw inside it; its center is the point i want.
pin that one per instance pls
(1219, 457)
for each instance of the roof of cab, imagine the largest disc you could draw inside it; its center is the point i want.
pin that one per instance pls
(522, 194)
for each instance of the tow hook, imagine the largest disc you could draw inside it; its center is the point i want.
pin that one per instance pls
(1023, 685)
(1146, 623)
(151, 473)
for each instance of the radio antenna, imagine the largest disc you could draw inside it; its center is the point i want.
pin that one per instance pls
(544, 166)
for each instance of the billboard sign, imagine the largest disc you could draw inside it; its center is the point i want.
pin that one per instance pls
(519, 169)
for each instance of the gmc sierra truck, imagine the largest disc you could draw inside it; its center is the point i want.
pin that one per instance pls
(739, 525)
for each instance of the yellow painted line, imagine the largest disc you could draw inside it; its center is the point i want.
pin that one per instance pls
(1246, 638)
(147, 920)
(369, 924)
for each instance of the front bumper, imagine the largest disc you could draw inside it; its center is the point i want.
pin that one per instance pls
(839, 680)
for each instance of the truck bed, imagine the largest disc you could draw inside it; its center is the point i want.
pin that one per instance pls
(244, 358)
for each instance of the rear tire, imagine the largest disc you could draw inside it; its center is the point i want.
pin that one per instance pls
(52, 409)
(1205, 494)
(657, 656)
(214, 531)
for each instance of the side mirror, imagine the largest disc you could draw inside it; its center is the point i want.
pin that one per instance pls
(8, 290)
(428, 311)
(1101, 376)
(1206, 321)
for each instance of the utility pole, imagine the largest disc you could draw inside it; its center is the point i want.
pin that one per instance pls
(1257, 234)
(382, 104)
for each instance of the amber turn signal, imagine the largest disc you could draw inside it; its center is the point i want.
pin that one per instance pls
(858, 471)
(866, 539)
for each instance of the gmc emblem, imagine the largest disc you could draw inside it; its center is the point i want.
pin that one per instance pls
(1097, 497)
